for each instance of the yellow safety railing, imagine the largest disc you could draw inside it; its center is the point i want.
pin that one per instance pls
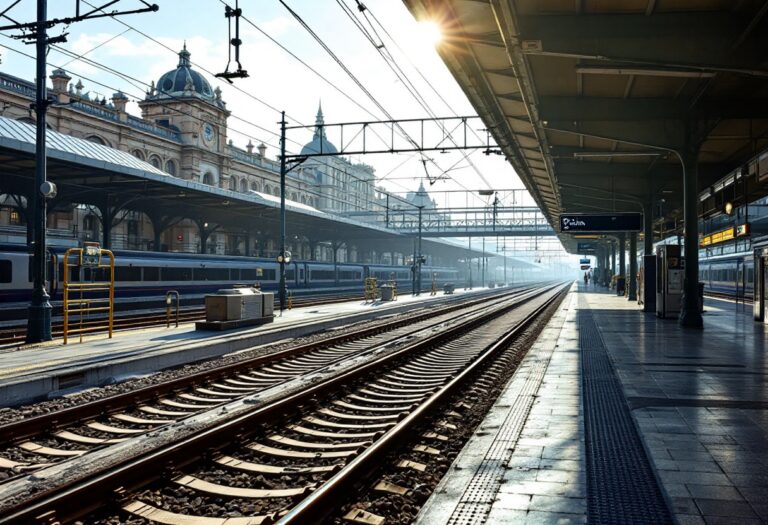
(371, 290)
(433, 291)
(81, 298)
(290, 300)
(170, 295)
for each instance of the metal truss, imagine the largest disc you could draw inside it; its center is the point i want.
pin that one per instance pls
(401, 136)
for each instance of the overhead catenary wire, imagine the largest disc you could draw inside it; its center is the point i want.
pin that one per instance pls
(389, 57)
(247, 93)
(309, 190)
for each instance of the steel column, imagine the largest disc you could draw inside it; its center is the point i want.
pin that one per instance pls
(282, 293)
(689, 312)
(39, 321)
(632, 296)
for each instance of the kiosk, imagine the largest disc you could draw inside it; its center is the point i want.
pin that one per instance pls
(670, 270)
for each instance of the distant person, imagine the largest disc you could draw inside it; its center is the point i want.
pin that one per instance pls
(586, 278)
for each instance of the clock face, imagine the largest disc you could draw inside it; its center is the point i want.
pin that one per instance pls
(208, 133)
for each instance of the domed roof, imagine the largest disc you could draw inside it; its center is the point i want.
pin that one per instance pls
(184, 81)
(319, 142)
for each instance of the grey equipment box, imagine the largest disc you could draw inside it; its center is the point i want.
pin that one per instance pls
(234, 304)
(448, 288)
(268, 304)
(387, 292)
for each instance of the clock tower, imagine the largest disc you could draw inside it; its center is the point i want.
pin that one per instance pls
(184, 102)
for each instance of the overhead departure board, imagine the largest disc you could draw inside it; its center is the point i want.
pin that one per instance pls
(601, 222)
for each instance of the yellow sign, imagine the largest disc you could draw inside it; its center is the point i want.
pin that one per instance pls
(725, 235)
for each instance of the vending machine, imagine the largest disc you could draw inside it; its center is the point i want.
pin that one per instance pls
(670, 271)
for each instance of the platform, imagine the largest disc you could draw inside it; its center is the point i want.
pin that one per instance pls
(34, 372)
(616, 416)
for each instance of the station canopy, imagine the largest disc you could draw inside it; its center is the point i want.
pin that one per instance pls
(592, 100)
(93, 174)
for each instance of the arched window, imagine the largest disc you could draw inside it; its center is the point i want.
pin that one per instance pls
(254, 186)
(96, 140)
(294, 197)
(208, 178)
(138, 154)
(170, 167)
(233, 184)
(276, 191)
(155, 161)
(267, 189)
(243, 185)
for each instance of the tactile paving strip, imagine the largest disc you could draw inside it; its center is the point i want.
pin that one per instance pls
(478, 498)
(621, 487)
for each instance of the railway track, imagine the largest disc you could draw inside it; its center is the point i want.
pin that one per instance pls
(37, 442)
(293, 457)
(17, 334)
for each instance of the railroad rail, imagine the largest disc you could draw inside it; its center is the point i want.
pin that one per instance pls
(37, 442)
(291, 457)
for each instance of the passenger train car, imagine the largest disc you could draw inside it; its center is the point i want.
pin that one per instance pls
(732, 275)
(152, 274)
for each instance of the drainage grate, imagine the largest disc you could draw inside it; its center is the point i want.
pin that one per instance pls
(621, 487)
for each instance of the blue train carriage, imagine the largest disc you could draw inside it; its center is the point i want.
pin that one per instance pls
(149, 275)
(731, 275)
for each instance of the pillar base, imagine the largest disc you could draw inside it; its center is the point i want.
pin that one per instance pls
(691, 319)
(39, 323)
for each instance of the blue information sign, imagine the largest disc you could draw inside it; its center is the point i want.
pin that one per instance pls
(601, 222)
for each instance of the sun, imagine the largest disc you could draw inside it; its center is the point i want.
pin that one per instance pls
(431, 32)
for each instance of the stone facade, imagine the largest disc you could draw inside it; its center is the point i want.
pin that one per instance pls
(182, 131)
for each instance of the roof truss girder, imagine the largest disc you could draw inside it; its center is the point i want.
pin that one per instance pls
(703, 41)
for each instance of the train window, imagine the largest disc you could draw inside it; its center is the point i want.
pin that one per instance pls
(177, 274)
(151, 273)
(127, 273)
(349, 276)
(248, 274)
(6, 268)
(290, 275)
(323, 275)
(211, 274)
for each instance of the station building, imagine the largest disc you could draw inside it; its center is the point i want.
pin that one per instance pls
(182, 131)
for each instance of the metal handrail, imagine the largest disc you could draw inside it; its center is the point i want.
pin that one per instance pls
(169, 296)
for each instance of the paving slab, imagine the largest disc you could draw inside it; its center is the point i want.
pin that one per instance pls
(698, 401)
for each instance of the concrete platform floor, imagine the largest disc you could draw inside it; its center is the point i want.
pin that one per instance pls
(699, 400)
(31, 372)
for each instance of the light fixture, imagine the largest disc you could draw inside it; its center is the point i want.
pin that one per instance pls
(643, 71)
(728, 207)
(587, 154)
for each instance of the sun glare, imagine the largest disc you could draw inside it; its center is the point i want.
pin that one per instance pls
(431, 32)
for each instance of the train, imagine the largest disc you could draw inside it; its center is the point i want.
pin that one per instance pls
(730, 275)
(151, 274)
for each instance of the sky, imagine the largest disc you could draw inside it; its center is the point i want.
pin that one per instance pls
(139, 48)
